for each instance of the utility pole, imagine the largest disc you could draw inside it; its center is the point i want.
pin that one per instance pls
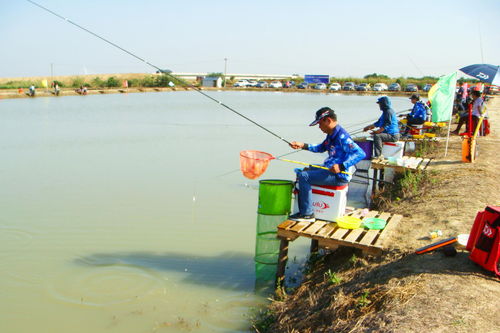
(225, 71)
(51, 72)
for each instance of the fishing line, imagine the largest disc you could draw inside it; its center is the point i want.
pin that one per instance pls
(163, 71)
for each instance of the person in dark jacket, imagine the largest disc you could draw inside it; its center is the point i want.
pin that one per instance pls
(386, 127)
(343, 153)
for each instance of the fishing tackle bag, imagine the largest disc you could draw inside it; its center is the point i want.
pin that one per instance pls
(484, 239)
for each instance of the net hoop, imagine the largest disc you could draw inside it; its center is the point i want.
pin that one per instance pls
(253, 163)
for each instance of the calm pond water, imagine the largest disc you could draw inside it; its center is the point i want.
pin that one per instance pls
(127, 213)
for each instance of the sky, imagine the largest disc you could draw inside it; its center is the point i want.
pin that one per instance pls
(338, 38)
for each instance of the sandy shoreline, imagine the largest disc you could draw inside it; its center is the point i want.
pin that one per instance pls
(13, 93)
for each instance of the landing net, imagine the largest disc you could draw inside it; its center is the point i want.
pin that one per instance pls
(254, 163)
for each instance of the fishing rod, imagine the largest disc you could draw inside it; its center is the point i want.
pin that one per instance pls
(163, 71)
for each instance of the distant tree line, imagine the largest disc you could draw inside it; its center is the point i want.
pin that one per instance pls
(163, 80)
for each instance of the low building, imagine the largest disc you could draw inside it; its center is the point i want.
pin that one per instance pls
(212, 82)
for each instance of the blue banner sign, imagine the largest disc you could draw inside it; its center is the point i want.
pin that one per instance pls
(317, 79)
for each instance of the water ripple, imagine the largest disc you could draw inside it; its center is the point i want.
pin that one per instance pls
(104, 285)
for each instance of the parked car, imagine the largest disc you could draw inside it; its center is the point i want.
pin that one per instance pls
(349, 86)
(241, 83)
(427, 87)
(335, 86)
(276, 84)
(411, 87)
(319, 86)
(379, 87)
(394, 87)
(252, 83)
(262, 84)
(303, 85)
(363, 87)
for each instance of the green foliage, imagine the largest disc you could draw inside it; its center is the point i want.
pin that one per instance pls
(332, 277)
(215, 75)
(18, 84)
(363, 300)
(134, 83)
(376, 76)
(59, 83)
(148, 81)
(112, 82)
(78, 82)
(162, 80)
(263, 319)
(98, 82)
(353, 259)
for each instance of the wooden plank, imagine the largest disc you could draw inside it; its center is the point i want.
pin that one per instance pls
(369, 237)
(371, 213)
(331, 243)
(287, 234)
(339, 233)
(314, 246)
(282, 259)
(300, 226)
(327, 230)
(286, 224)
(425, 164)
(324, 243)
(392, 223)
(354, 235)
(415, 162)
(357, 213)
(314, 227)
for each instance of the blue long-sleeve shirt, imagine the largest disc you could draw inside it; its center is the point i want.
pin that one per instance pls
(341, 150)
(388, 119)
(418, 111)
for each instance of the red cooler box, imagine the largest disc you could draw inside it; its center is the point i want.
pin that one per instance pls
(329, 202)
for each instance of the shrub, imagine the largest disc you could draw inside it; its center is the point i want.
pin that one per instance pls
(78, 82)
(134, 83)
(112, 82)
(98, 82)
(148, 81)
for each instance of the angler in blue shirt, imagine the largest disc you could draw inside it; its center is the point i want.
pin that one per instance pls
(417, 115)
(387, 126)
(343, 153)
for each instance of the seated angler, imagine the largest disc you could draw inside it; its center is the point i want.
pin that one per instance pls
(343, 153)
(417, 115)
(387, 126)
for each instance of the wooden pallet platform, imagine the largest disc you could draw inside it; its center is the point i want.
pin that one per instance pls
(409, 163)
(328, 235)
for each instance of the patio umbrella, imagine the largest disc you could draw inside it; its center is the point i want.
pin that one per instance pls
(484, 72)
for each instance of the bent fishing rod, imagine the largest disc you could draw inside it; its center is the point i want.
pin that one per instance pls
(163, 71)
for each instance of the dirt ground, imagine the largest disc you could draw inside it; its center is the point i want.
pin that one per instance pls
(402, 291)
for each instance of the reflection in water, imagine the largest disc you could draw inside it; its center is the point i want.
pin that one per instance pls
(227, 271)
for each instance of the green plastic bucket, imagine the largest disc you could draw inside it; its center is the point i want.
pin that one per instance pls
(275, 196)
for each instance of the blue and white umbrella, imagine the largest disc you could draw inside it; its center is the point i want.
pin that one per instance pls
(484, 72)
